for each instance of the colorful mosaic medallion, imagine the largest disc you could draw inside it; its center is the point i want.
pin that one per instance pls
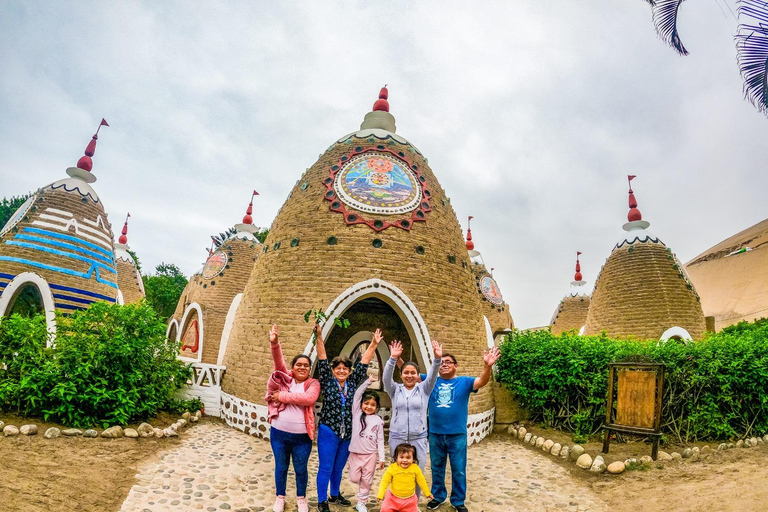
(491, 290)
(215, 265)
(378, 182)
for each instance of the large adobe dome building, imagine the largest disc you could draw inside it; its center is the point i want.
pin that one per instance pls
(732, 277)
(496, 315)
(642, 290)
(367, 234)
(206, 310)
(57, 249)
(131, 287)
(571, 313)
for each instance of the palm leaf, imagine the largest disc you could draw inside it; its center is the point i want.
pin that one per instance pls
(665, 21)
(752, 51)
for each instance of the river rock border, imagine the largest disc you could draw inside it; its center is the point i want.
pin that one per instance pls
(143, 431)
(578, 455)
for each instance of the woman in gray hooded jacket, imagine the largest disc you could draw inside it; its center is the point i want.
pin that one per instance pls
(410, 400)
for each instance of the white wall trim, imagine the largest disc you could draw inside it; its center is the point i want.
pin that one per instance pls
(675, 331)
(168, 330)
(394, 297)
(489, 333)
(45, 292)
(120, 300)
(229, 321)
(196, 307)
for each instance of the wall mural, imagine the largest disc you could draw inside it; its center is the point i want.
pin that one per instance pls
(190, 342)
(491, 290)
(215, 265)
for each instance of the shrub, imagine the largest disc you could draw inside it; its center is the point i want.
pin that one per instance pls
(110, 365)
(714, 389)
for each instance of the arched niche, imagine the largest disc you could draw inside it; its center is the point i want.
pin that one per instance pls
(29, 286)
(228, 323)
(677, 334)
(191, 334)
(172, 334)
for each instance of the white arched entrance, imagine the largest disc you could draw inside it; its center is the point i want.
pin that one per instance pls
(45, 292)
(228, 323)
(395, 298)
(675, 333)
(184, 320)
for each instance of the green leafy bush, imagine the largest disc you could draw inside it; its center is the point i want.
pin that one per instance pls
(714, 389)
(110, 365)
(182, 405)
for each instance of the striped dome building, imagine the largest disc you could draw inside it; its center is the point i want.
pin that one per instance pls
(367, 234)
(130, 284)
(571, 313)
(643, 291)
(56, 252)
(206, 310)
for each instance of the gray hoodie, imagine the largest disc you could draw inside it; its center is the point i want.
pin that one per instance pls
(409, 413)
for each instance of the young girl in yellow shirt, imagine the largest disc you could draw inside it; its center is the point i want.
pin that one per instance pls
(401, 477)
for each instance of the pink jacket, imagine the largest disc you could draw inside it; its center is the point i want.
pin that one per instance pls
(280, 380)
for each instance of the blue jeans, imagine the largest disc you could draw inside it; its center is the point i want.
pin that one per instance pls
(333, 453)
(441, 448)
(284, 446)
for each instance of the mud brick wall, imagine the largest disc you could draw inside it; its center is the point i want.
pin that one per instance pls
(215, 295)
(310, 273)
(570, 314)
(641, 292)
(128, 279)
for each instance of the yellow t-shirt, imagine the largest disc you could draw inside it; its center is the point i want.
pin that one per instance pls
(402, 482)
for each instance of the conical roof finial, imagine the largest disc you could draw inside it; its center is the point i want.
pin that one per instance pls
(85, 162)
(577, 275)
(634, 214)
(248, 219)
(382, 104)
(124, 236)
(470, 243)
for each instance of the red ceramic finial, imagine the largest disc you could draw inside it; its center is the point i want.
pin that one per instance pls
(634, 214)
(382, 104)
(85, 161)
(248, 219)
(470, 243)
(124, 237)
(577, 275)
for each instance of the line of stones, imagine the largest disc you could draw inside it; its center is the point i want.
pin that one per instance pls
(577, 453)
(143, 431)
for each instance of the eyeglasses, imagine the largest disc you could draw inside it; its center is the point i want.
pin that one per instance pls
(447, 362)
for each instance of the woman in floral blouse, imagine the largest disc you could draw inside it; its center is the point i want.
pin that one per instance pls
(338, 383)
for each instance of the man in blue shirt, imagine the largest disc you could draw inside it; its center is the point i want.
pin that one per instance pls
(448, 412)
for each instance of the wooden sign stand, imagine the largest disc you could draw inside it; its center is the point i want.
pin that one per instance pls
(638, 404)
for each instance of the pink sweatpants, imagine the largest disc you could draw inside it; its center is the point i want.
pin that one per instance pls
(361, 469)
(392, 503)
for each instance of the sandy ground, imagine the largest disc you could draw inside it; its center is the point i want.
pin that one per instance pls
(218, 468)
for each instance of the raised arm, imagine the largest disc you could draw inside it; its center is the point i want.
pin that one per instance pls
(356, 409)
(307, 398)
(277, 352)
(387, 379)
(490, 357)
(319, 343)
(368, 354)
(434, 370)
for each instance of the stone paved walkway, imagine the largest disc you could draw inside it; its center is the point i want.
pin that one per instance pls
(218, 468)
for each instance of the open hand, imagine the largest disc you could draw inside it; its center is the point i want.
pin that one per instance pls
(491, 355)
(382, 464)
(377, 337)
(273, 334)
(437, 349)
(372, 379)
(396, 349)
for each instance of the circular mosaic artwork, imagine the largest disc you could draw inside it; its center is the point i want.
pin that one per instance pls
(378, 183)
(215, 265)
(491, 290)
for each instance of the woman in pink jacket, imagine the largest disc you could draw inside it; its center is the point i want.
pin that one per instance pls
(291, 397)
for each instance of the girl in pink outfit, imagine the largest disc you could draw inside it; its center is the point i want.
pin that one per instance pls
(291, 396)
(367, 442)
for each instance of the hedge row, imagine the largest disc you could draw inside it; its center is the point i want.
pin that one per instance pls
(716, 388)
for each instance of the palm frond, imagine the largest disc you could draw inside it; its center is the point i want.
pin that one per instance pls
(752, 51)
(665, 21)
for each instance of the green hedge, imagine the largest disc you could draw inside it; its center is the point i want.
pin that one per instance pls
(716, 388)
(110, 365)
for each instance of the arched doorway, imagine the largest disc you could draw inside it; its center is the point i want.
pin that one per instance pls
(29, 294)
(27, 301)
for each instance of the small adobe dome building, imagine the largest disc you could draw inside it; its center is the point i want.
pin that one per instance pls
(642, 290)
(57, 250)
(496, 316)
(571, 313)
(131, 287)
(205, 313)
(367, 234)
(732, 277)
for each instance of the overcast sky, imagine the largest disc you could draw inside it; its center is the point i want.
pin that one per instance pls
(531, 114)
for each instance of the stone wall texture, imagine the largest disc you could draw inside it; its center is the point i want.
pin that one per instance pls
(570, 314)
(429, 264)
(129, 281)
(642, 291)
(215, 295)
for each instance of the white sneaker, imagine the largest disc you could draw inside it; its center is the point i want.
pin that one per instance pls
(361, 507)
(301, 501)
(279, 505)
